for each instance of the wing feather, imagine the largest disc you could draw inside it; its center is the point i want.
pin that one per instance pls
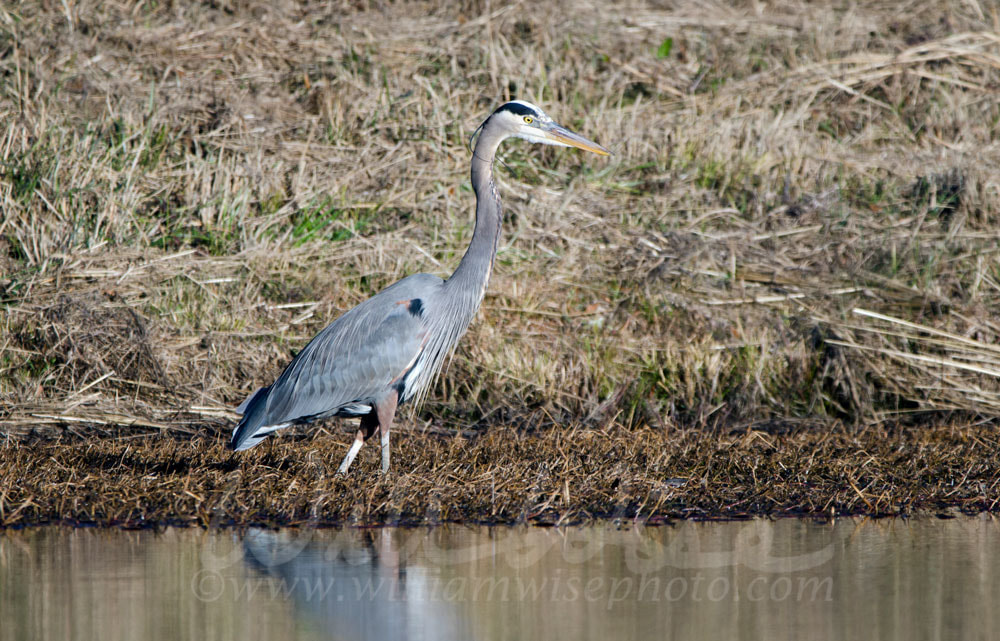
(356, 358)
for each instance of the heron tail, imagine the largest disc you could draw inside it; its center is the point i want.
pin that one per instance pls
(250, 429)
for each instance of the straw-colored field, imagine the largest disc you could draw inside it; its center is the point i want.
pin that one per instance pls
(797, 236)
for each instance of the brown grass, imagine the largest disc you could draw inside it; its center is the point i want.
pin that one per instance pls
(554, 476)
(190, 191)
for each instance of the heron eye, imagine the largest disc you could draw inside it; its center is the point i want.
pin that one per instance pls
(528, 119)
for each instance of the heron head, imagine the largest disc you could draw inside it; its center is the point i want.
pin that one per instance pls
(522, 119)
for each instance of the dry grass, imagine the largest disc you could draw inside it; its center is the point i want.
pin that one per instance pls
(190, 191)
(558, 476)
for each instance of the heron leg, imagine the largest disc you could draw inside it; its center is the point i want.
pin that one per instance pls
(368, 424)
(386, 411)
(359, 440)
(381, 417)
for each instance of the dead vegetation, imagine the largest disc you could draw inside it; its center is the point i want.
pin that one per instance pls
(552, 476)
(798, 226)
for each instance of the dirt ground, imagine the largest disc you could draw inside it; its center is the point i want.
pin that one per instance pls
(779, 296)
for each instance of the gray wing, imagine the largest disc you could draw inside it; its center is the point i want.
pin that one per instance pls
(358, 357)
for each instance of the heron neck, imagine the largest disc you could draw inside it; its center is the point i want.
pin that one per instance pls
(473, 273)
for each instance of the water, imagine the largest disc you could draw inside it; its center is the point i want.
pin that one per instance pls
(788, 579)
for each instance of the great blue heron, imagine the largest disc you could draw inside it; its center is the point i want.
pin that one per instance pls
(388, 349)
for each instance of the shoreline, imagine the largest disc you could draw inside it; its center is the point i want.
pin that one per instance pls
(568, 476)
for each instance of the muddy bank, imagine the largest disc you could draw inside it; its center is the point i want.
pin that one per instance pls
(558, 476)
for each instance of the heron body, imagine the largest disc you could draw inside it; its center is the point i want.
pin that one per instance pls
(387, 350)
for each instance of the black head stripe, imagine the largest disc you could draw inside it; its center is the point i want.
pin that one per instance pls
(516, 108)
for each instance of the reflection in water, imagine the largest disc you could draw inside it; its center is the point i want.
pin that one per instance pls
(792, 579)
(356, 586)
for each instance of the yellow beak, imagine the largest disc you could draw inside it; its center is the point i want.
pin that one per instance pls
(564, 136)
